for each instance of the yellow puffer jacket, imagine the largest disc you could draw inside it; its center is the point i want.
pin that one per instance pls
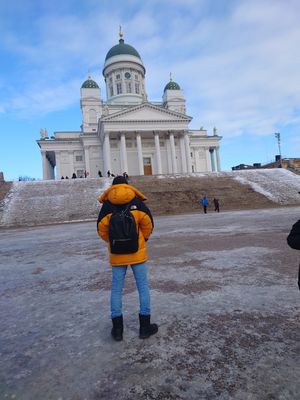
(121, 194)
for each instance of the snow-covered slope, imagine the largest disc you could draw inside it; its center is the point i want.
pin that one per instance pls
(42, 202)
(278, 185)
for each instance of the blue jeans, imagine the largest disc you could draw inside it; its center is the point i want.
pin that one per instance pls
(117, 285)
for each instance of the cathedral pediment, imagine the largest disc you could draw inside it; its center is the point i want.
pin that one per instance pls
(147, 112)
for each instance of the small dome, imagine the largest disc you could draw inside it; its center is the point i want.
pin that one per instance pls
(172, 86)
(122, 48)
(90, 84)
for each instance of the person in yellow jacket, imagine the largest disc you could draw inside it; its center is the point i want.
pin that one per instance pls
(118, 197)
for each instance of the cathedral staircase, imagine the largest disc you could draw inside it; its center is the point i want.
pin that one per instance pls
(236, 190)
(51, 202)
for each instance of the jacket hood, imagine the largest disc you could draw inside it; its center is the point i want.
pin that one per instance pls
(121, 194)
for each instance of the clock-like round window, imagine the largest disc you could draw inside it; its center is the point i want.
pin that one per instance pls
(127, 75)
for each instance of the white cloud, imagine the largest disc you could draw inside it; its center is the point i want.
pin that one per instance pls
(239, 68)
(250, 79)
(45, 100)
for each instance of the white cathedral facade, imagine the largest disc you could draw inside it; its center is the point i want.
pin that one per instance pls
(127, 132)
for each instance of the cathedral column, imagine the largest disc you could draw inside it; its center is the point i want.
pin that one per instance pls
(106, 153)
(187, 152)
(52, 176)
(173, 153)
(169, 160)
(212, 160)
(71, 164)
(182, 154)
(124, 164)
(87, 159)
(218, 159)
(58, 166)
(140, 153)
(157, 152)
(46, 166)
(207, 159)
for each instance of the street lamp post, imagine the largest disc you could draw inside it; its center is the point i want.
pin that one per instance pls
(277, 135)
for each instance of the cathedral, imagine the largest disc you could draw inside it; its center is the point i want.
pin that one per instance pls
(127, 132)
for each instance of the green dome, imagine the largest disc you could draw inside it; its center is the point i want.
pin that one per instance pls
(122, 48)
(90, 84)
(172, 86)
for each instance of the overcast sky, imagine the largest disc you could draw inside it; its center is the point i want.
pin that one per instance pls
(237, 62)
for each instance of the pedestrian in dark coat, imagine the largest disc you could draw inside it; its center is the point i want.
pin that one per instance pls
(293, 240)
(216, 204)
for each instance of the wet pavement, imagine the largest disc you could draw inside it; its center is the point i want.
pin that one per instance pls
(224, 293)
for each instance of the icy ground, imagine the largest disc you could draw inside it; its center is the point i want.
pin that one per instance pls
(224, 293)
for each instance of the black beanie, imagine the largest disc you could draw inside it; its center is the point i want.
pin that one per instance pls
(118, 180)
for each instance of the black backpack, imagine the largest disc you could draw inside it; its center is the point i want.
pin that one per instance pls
(123, 235)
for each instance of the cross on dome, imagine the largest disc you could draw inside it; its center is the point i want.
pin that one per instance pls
(120, 32)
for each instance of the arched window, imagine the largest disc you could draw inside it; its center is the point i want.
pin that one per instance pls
(119, 88)
(128, 87)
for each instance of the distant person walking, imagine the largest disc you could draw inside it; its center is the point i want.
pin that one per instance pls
(204, 203)
(100, 174)
(216, 204)
(108, 174)
(293, 240)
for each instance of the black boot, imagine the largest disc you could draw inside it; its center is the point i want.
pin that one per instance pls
(117, 329)
(146, 329)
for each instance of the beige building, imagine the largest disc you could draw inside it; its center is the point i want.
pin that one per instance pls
(127, 132)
